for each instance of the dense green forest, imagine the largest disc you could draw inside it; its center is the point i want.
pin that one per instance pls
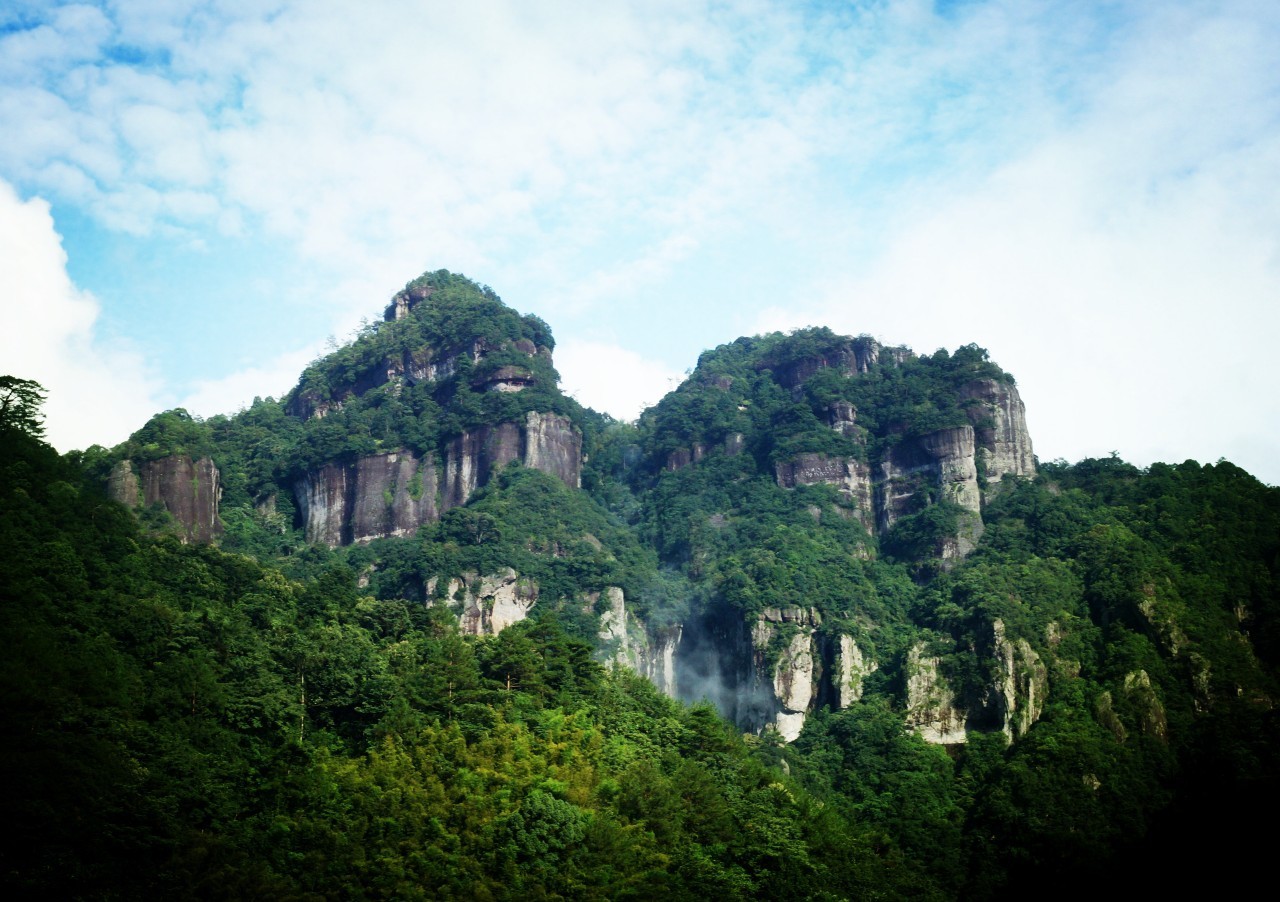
(267, 717)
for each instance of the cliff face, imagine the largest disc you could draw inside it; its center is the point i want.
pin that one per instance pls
(189, 490)
(941, 465)
(1012, 702)
(999, 420)
(395, 493)
(769, 672)
(910, 471)
(850, 476)
(849, 357)
(378, 496)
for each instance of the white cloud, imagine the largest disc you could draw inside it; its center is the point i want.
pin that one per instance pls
(236, 391)
(612, 379)
(1126, 269)
(1090, 190)
(97, 392)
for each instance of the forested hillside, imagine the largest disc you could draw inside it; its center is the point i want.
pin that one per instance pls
(818, 625)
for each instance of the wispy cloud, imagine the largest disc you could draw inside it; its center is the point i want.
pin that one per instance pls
(98, 391)
(613, 379)
(1126, 267)
(1035, 176)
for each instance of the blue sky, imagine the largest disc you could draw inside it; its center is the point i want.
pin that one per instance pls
(195, 196)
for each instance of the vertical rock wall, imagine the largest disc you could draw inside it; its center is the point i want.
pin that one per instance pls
(395, 493)
(490, 604)
(932, 710)
(1011, 704)
(850, 670)
(553, 445)
(942, 460)
(1000, 427)
(323, 498)
(768, 672)
(852, 477)
(188, 489)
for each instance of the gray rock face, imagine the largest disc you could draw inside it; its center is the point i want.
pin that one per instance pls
(490, 604)
(553, 445)
(322, 497)
(1011, 704)
(849, 475)
(851, 669)
(649, 652)
(931, 705)
(841, 416)
(381, 495)
(123, 485)
(769, 672)
(404, 301)
(189, 490)
(784, 670)
(472, 457)
(941, 464)
(395, 493)
(1024, 683)
(1000, 428)
(613, 624)
(942, 459)
(654, 656)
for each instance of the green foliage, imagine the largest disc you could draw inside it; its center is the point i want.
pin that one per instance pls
(20, 402)
(189, 722)
(268, 719)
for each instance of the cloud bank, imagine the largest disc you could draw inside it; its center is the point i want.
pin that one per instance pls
(97, 391)
(1087, 189)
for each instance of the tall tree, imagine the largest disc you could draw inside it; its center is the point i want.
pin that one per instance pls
(20, 402)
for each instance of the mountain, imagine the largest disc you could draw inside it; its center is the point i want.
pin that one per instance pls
(409, 597)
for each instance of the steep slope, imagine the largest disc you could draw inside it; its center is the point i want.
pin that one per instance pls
(381, 436)
(780, 470)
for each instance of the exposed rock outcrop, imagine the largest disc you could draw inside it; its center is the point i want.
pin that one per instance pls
(932, 710)
(613, 624)
(404, 301)
(852, 477)
(999, 420)
(841, 417)
(188, 489)
(650, 652)
(654, 656)
(770, 671)
(486, 605)
(943, 460)
(323, 503)
(553, 445)
(1145, 702)
(852, 667)
(785, 670)
(395, 493)
(381, 495)
(941, 463)
(1024, 683)
(123, 485)
(1011, 704)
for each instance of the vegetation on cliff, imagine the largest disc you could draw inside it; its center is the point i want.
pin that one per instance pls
(268, 718)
